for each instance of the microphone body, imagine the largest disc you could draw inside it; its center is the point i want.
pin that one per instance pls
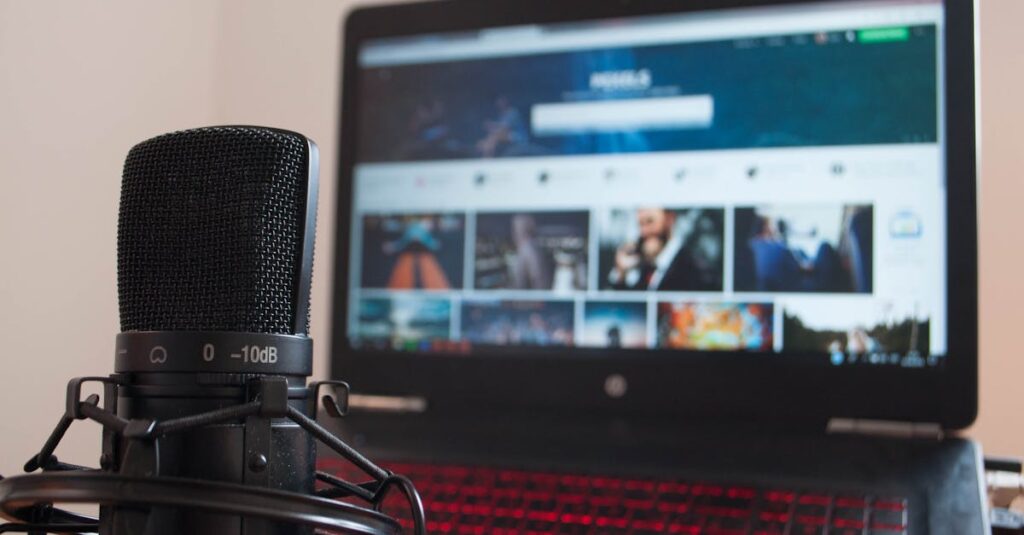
(271, 453)
(209, 425)
(215, 247)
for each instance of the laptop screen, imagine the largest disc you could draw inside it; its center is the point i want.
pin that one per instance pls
(764, 180)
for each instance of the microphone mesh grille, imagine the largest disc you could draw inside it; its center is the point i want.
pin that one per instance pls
(210, 231)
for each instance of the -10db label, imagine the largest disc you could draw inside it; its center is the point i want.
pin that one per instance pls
(258, 355)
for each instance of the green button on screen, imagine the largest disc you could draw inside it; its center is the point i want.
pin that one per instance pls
(883, 35)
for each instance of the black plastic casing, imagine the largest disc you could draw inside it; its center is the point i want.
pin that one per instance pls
(795, 389)
(224, 452)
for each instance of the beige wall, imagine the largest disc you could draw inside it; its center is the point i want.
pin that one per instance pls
(1001, 251)
(82, 81)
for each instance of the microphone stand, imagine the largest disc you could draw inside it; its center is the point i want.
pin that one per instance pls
(29, 499)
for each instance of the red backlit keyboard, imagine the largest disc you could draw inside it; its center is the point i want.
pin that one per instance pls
(494, 501)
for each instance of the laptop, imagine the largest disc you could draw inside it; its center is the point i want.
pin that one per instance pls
(642, 266)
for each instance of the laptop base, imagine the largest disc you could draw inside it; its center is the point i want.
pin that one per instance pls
(932, 476)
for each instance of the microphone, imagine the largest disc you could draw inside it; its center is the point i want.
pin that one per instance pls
(208, 422)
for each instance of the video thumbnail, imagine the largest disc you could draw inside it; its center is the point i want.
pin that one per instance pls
(857, 328)
(663, 249)
(804, 248)
(535, 323)
(413, 251)
(532, 251)
(403, 320)
(716, 326)
(615, 324)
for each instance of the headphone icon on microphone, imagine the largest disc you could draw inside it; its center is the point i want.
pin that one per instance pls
(158, 355)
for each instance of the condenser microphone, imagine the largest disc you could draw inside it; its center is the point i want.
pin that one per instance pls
(209, 424)
(214, 262)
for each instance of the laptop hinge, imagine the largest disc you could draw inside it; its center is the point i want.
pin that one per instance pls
(884, 428)
(395, 404)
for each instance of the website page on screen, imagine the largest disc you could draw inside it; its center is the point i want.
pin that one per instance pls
(764, 180)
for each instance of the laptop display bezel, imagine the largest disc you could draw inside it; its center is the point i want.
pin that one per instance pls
(696, 384)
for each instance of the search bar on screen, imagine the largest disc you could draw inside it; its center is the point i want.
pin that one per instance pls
(607, 116)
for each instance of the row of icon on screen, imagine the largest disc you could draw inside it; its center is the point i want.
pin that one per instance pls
(751, 172)
(868, 36)
(912, 359)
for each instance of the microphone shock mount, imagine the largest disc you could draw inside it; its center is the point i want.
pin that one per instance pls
(29, 499)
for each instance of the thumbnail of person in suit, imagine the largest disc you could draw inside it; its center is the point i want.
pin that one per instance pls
(663, 257)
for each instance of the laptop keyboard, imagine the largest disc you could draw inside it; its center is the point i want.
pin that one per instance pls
(477, 500)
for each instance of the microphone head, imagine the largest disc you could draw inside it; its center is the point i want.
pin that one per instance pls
(215, 231)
